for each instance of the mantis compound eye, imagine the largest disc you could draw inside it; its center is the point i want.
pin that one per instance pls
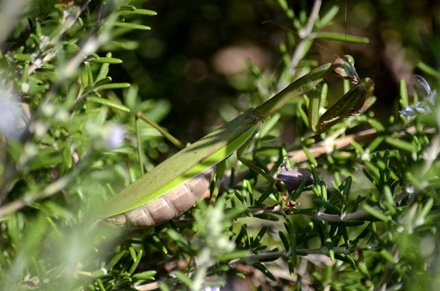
(344, 68)
(349, 59)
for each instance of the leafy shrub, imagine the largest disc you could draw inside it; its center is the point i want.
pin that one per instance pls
(69, 143)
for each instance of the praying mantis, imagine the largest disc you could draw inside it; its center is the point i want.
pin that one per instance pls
(176, 184)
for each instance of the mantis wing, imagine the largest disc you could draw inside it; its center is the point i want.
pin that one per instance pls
(185, 165)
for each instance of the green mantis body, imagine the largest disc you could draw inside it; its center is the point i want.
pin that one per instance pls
(176, 184)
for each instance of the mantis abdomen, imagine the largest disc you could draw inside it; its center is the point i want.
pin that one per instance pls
(168, 206)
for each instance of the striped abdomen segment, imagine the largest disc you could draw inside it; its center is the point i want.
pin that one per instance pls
(169, 205)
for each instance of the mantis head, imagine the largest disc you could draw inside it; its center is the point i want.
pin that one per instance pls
(344, 68)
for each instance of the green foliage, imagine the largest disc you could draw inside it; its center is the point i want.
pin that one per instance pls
(369, 220)
(67, 129)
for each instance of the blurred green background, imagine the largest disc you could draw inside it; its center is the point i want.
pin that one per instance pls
(194, 55)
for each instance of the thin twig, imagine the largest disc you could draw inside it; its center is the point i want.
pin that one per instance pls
(313, 16)
(269, 256)
(328, 217)
(278, 254)
(299, 50)
(68, 23)
(362, 137)
(277, 209)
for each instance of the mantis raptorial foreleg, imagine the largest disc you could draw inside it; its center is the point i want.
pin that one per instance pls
(173, 186)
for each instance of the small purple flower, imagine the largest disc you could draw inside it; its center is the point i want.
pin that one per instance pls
(421, 107)
(10, 114)
(115, 137)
